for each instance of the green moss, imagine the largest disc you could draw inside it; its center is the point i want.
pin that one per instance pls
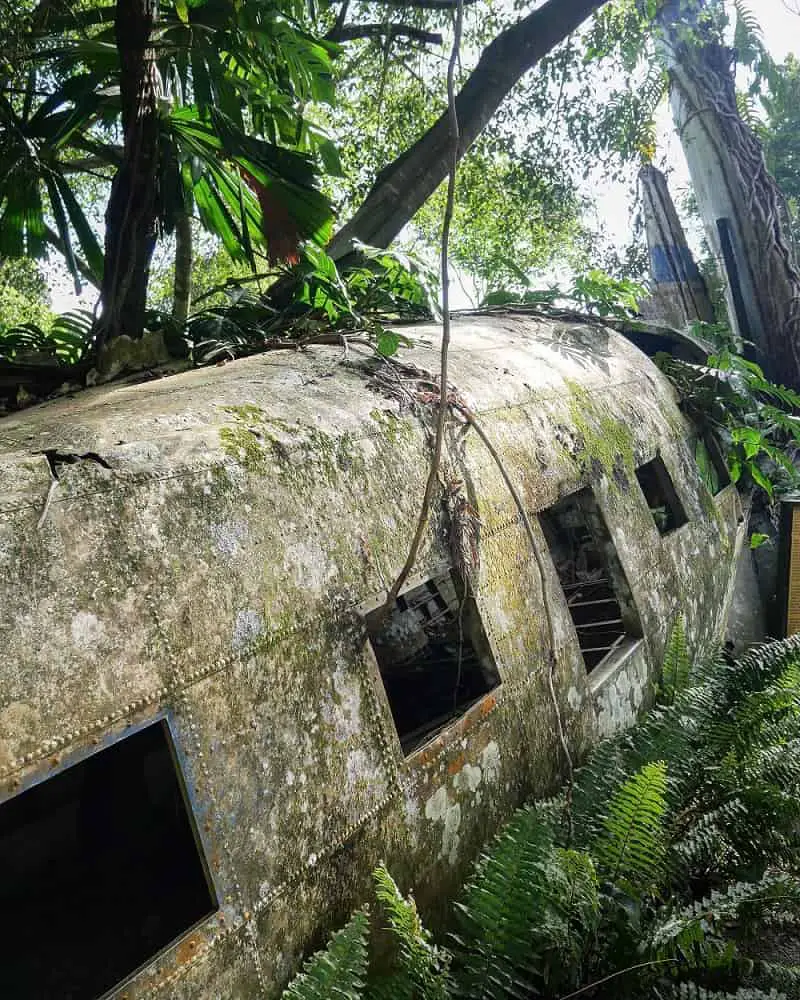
(602, 438)
(244, 447)
(248, 413)
(392, 427)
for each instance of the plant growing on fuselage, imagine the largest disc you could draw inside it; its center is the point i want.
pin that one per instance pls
(755, 420)
(595, 293)
(323, 304)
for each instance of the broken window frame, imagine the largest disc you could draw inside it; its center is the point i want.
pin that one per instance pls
(676, 516)
(609, 589)
(180, 795)
(476, 646)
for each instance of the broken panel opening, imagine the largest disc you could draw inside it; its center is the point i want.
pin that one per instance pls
(659, 492)
(101, 871)
(711, 464)
(433, 657)
(596, 590)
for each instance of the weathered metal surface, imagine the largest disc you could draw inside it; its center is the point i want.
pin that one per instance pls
(214, 571)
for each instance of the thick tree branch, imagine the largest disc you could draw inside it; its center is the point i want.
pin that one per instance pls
(351, 32)
(407, 183)
(426, 4)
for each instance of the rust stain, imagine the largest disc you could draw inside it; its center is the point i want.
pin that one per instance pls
(456, 764)
(187, 949)
(488, 704)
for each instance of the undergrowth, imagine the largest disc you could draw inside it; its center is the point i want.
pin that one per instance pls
(682, 863)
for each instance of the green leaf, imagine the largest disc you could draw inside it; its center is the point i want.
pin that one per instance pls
(757, 539)
(182, 10)
(388, 343)
(761, 480)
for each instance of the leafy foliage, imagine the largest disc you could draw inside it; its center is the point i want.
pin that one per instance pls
(23, 294)
(689, 822)
(755, 420)
(233, 81)
(64, 341)
(677, 663)
(340, 970)
(631, 851)
(324, 303)
(595, 292)
(420, 969)
(525, 915)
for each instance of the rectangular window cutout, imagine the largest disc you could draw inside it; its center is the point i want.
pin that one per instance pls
(594, 585)
(711, 464)
(663, 501)
(101, 871)
(433, 656)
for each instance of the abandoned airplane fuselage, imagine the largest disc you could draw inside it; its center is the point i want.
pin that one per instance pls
(209, 736)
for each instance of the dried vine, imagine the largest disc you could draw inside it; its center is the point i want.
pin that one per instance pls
(433, 472)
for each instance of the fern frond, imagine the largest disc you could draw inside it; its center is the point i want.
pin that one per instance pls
(632, 849)
(420, 969)
(747, 22)
(704, 839)
(762, 666)
(525, 914)
(691, 991)
(677, 663)
(339, 971)
(699, 931)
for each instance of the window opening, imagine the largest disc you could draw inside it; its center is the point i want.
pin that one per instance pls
(101, 871)
(713, 467)
(595, 588)
(433, 656)
(663, 501)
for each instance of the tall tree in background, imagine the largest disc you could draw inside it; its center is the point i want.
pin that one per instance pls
(134, 206)
(738, 199)
(781, 137)
(211, 113)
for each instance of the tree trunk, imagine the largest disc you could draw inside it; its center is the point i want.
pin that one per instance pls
(405, 185)
(133, 207)
(182, 286)
(740, 204)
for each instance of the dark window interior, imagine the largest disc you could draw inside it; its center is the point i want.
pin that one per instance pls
(713, 467)
(663, 501)
(100, 871)
(433, 656)
(594, 585)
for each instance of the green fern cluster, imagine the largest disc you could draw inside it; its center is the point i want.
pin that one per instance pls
(680, 854)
